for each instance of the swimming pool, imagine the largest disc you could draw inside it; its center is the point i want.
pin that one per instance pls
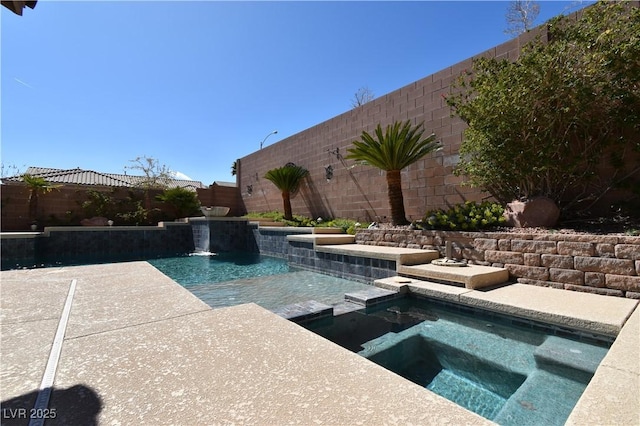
(229, 279)
(512, 374)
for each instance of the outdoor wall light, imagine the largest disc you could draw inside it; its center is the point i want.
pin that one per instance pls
(249, 189)
(328, 172)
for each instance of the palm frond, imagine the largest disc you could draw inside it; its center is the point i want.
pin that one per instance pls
(287, 178)
(399, 146)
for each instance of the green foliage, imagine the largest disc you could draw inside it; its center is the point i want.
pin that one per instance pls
(287, 179)
(99, 204)
(398, 147)
(274, 216)
(37, 185)
(349, 226)
(135, 214)
(183, 202)
(124, 211)
(469, 216)
(541, 125)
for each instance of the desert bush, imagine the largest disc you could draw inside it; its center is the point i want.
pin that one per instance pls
(469, 216)
(182, 201)
(541, 125)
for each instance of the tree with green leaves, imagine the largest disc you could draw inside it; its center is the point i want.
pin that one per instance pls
(287, 179)
(183, 201)
(401, 145)
(541, 126)
(37, 185)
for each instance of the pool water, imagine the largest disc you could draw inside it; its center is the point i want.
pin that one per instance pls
(196, 270)
(507, 373)
(230, 279)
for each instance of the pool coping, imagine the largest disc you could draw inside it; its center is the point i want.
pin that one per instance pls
(129, 323)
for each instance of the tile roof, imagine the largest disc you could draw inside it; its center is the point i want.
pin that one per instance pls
(89, 177)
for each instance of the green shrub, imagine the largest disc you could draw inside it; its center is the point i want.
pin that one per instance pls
(349, 226)
(182, 201)
(469, 216)
(273, 216)
(100, 203)
(541, 126)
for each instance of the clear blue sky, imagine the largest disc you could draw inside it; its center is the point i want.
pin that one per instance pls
(199, 84)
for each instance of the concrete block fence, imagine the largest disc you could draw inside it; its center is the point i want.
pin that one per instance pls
(359, 192)
(601, 264)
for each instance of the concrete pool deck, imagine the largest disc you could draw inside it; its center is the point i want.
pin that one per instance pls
(140, 349)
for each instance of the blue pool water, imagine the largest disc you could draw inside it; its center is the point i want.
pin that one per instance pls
(234, 278)
(196, 270)
(510, 374)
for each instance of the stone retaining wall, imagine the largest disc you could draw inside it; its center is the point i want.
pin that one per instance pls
(600, 264)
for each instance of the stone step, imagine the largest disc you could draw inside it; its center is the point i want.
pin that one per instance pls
(543, 399)
(319, 239)
(304, 311)
(471, 276)
(400, 255)
(371, 296)
(560, 354)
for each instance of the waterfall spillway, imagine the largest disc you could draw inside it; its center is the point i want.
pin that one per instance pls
(201, 237)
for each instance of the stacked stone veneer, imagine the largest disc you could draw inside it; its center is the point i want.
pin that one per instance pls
(599, 264)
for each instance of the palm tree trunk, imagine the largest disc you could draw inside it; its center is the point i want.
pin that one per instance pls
(396, 201)
(33, 205)
(286, 199)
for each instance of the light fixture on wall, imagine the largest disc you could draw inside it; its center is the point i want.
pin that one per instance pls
(249, 190)
(328, 172)
(335, 152)
(265, 138)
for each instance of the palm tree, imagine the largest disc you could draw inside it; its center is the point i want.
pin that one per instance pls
(37, 185)
(287, 179)
(400, 146)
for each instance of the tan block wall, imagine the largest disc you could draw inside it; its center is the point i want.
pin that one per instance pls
(65, 203)
(567, 261)
(360, 192)
(224, 196)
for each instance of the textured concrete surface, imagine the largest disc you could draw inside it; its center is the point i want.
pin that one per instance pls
(140, 349)
(472, 276)
(613, 396)
(583, 311)
(403, 256)
(30, 306)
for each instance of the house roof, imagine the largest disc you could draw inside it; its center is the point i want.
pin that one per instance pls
(17, 6)
(89, 177)
(221, 183)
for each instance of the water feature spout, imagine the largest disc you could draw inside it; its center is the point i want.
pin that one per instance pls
(448, 259)
(201, 237)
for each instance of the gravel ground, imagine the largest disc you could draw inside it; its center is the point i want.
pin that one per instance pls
(619, 226)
